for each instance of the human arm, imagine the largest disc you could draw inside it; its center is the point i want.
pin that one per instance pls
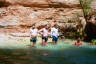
(74, 43)
(30, 33)
(51, 32)
(40, 31)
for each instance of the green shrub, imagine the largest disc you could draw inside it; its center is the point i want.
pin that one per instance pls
(93, 41)
(86, 7)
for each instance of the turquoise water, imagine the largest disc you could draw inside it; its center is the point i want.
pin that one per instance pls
(62, 53)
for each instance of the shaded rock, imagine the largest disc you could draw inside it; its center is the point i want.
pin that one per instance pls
(42, 3)
(90, 31)
(66, 3)
(90, 28)
(3, 3)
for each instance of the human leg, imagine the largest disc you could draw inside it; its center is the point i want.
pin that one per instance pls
(44, 40)
(54, 39)
(33, 41)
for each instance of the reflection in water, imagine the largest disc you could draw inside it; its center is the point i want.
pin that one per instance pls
(71, 55)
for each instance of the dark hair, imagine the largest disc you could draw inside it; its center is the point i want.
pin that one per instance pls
(55, 25)
(33, 27)
(46, 25)
(33, 24)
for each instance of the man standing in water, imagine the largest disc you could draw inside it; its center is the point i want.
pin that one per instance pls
(33, 35)
(54, 34)
(45, 34)
(78, 42)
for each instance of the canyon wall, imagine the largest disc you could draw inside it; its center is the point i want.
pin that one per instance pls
(19, 15)
(41, 3)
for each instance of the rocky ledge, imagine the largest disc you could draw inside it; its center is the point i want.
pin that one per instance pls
(41, 3)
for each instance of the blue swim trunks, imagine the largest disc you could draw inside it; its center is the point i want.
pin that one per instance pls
(33, 39)
(54, 38)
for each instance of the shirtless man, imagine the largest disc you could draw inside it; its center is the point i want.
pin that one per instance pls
(45, 34)
(33, 35)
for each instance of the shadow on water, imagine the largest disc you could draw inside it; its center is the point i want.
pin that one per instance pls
(72, 55)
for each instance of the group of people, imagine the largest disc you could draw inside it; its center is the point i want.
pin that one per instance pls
(44, 32)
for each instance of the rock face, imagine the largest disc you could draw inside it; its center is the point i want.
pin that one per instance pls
(26, 16)
(93, 4)
(19, 15)
(42, 3)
